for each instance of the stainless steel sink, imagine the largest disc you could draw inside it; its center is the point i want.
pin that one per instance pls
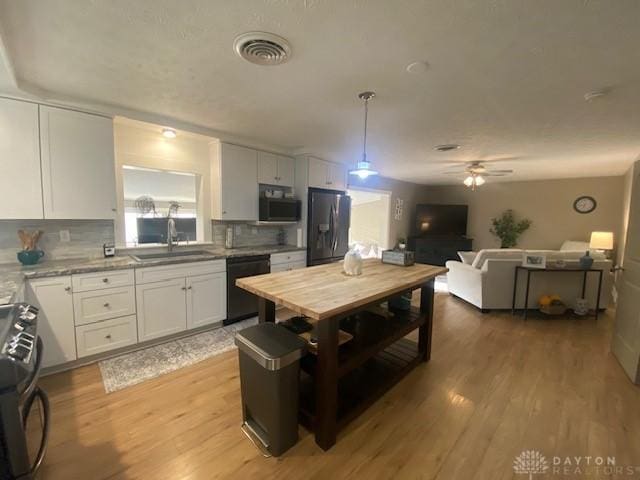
(140, 257)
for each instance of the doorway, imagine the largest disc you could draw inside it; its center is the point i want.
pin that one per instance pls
(370, 214)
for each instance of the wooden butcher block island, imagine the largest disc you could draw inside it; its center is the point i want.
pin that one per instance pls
(339, 380)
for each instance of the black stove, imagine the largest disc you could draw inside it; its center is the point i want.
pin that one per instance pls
(20, 361)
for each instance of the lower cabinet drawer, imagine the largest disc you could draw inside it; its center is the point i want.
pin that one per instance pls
(106, 335)
(282, 267)
(288, 257)
(297, 265)
(97, 305)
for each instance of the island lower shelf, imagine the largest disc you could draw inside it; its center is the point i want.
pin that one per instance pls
(376, 359)
(363, 385)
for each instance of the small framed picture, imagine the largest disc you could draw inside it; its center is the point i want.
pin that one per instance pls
(534, 260)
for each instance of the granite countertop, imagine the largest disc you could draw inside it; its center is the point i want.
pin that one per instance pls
(13, 276)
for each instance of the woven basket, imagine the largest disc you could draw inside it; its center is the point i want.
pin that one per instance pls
(553, 309)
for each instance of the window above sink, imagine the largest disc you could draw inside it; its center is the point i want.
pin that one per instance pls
(151, 196)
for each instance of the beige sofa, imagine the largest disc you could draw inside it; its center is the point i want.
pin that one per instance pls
(487, 282)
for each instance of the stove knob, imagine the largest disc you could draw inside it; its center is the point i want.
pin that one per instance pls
(28, 316)
(19, 352)
(29, 308)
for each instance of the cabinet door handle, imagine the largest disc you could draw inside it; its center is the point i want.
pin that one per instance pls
(189, 287)
(67, 289)
(108, 337)
(105, 280)
(183, 288)
(106, 305)
(114, 210)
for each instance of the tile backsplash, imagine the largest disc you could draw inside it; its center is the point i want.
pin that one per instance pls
(250, 235)
(86, 238)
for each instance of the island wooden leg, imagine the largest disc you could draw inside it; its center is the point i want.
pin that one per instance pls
(266, 310)
(325, 425)
(426, 330)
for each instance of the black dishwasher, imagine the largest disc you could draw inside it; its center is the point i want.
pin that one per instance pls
(240, 303)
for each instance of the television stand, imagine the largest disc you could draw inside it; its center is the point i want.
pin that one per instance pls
(437, 249)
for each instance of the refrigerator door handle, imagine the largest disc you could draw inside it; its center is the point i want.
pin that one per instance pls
(332, 227)
(336, 229)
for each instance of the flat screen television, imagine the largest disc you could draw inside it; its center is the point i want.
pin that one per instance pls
(441, 220)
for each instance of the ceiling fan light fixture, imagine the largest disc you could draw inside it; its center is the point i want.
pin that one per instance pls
(363, 168)
(468, 181)
(479, 180)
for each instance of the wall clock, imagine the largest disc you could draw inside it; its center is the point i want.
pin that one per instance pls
(585, 204)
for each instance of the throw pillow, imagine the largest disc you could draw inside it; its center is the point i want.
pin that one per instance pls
(467, 257)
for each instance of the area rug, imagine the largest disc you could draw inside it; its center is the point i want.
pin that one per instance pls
(136, 367)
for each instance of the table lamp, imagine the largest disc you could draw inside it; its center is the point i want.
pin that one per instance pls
(601, 241)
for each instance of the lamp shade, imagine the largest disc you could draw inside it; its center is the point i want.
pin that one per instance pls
(601, 241)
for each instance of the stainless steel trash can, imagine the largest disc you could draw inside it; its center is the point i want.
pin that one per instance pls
(269, 376)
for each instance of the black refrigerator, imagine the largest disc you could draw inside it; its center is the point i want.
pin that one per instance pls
(328, 220)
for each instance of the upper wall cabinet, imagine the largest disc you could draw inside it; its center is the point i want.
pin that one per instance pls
(78, 168)
(20, 181)
(234, 178)
(275, 169)
(323, 174)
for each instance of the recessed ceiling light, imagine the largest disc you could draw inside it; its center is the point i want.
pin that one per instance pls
(169, 133)
(417, 67)
(447, 147)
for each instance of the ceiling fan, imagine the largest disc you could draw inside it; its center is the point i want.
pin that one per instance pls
(476, 172)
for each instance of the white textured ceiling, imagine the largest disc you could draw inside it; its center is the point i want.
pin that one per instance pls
(506, 77)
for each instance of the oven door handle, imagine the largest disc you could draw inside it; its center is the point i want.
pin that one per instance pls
(46, 414)
(31, 384)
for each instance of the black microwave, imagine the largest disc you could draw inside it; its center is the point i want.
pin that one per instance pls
(279, 209)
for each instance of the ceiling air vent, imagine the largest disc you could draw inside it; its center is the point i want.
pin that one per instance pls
(262, 48)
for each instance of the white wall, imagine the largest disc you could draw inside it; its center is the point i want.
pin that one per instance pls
(143, 145)
(547, 203)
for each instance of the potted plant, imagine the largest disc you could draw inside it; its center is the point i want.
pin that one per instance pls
(508, 229)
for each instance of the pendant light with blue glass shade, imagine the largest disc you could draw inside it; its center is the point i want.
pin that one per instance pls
(363, 168)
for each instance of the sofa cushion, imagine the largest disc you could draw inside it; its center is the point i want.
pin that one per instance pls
(496, 254)
(574, 246)
(566, 255)
(467, 257)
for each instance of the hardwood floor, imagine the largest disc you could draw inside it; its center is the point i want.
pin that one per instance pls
(495, 386)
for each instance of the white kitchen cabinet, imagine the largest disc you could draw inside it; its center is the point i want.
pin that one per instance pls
(20, 182)
(206, 299)
(337, 176)
(276, 169)
(83, 282)
(161, 308)
(323, 174)
(234, 178)
(281, 262)
(104, 304)
(107, 335)
(318, 173)
(280, 267)
(53, 296)
(78, 167)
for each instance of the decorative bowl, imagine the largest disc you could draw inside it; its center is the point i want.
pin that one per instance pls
(30, 257)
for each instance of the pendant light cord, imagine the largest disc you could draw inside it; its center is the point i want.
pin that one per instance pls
(366, 114)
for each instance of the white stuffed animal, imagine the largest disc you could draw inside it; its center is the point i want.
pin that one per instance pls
(353, 263)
